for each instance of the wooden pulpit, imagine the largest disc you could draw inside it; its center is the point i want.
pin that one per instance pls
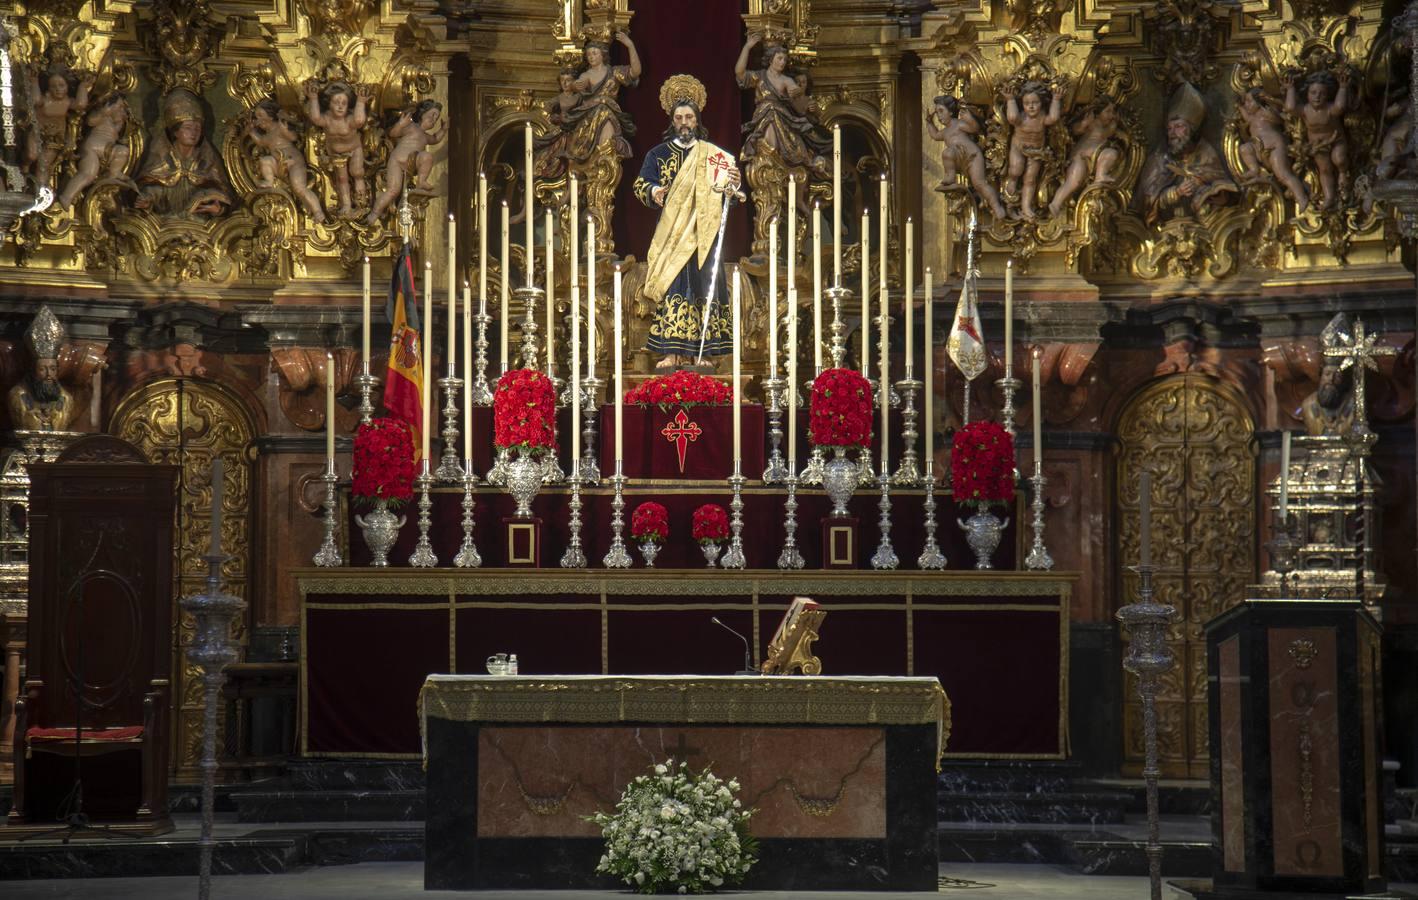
(92, 721)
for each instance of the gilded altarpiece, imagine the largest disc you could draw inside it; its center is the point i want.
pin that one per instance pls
(190, 424)
(1194, 435)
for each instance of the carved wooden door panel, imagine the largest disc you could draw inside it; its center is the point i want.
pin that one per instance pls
(189, 424)
(1196, 437)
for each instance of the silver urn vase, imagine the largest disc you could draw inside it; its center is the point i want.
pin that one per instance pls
(381, 530)
(983, 531)
(524, 479)
(711, 549)
(839, 479)
(649, 550)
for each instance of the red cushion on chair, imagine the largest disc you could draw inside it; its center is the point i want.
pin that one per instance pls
(128, 733)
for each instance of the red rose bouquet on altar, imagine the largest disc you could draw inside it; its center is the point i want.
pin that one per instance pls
(524, 412)
(982, 465)
(383, 462)
(839, 414)
(680, 389)
(650, 522)
(711, 524)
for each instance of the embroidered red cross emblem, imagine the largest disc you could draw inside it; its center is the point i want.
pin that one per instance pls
(967, 325)
(681, 432)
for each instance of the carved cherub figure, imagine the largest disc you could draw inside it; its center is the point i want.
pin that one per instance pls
(1326, 100)
(961, 153)
(278, 155)
(552, 148)
(1094, 154)
(418, 128)
(1266, 147)
(1029, 125)
(104, 148)
(341, 112)
(1394, 151)
(49, 138)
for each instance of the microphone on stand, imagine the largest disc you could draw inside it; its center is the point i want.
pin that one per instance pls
(748, 668)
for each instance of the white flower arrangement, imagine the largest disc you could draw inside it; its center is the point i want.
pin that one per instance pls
(677, 830)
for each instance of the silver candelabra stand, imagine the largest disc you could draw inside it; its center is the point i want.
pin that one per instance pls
(617, 557)
(1009, 385)
(423, 556)
(366, 384)
(449, 472)
(812, 472)
(497, 475)
(908, 473)
(482, 391)
(590, 468)
(790, 558)
(734, 557)
(777, 471)
(1038, 558)
(1148, 658)
(329, 553)
(885, 556)
(837, 342)
(931, 557)
(531, 300)
(575, 557)
(1283, 549)
(212, 650)
(468, 556)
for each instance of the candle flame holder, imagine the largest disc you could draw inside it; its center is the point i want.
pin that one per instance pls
(777, 471)
(366, 384)
(423, 556)
(1038, 558)
(908, 473)
(617, 557)
(790, 558)
(931, 557)
(449, 471)
(734, 556)
(885, 556)
(328, 556)
(575, 557)
(482, 391)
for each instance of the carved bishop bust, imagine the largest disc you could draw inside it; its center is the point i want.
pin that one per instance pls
(1330, 409)
(39, 402)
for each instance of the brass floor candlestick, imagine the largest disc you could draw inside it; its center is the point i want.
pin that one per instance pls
(908, 473)
(449, 471)
(885, 556)
(1009, 385)
(329, 553)
(482, 391)
(790, 558)
(1148, 658)
(1038, 558)
(734, 556)
(837, 342)
(777, 471)
(468, 556)
(423, 557)
(617, 557)
(366, 384)
(590, 467)
(531, 300)
(575, 557)
(931, 557)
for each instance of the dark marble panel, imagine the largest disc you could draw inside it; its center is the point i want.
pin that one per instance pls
(329, 806)
(355, 774)
(121, 858)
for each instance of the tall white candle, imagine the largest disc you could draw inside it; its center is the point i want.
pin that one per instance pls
(885, 389)
(1284, 476)
(817, 288)
(881, 250)
(1144, 498)
(574, 243)
(1009, 318)
(551, 295)
(792, 244)
(575, 363)
(909, 301)
(467, 371)
(218, 497)
(773, 297)
(364, 318)
(452, 360)
(330, 407)
(837, 205)
(531, 189)
(482, 244)
(865, 330)
(506, 267)
(427, 356)
(590, 297)
(738, 388)
(928, 365)
(792, 380)
(1035, 360)
(619, 386)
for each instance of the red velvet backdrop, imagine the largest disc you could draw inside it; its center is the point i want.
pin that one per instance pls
(694, 37)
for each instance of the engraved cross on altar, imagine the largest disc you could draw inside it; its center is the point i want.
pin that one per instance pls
(1358, 352)
(681, 432)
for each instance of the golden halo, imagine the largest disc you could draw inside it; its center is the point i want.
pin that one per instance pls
(679, 88)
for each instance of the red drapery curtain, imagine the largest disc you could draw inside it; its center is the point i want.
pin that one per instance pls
(695, 37)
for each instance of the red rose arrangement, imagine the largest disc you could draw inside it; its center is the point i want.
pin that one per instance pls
(680, 389)
(839, 414)
(524, 411)
(650, 522)
(982, 465)
(383, 461)
(711, 524)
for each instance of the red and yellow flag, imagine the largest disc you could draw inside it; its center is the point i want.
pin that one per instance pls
(403, 385)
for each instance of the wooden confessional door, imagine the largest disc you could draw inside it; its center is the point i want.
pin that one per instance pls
(187, 422)
(1196, 437)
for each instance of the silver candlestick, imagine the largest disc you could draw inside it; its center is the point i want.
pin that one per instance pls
(790, 558)
(1009, 385)
(1283, 549)
(575, 557)
(366, 384)
(885, 556)
(908, 473)
(590, 467)
(1038, 558)
(468, 556)
(551, 471)
(837, 343)
(497, 475)
(931, 557)
(776, 471)
(531, 300)
(423, 557)
(1148, 658)
(734, 556)
(812, 472)
(482, 391)
(449, 472)
(617, 557)
(329, 553)
(211, 650)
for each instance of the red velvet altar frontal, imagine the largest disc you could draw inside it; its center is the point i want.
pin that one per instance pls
(655, 439)
(998, 642)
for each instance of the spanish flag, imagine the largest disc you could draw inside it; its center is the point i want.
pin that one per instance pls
(403, 386)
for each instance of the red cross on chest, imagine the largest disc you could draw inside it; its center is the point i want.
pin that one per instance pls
(681, 432)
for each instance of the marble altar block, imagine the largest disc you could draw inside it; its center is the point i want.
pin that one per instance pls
(841, 771)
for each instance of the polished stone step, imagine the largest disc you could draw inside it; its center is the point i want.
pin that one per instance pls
(353, 775)
(287, 805)
(1054, 807)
